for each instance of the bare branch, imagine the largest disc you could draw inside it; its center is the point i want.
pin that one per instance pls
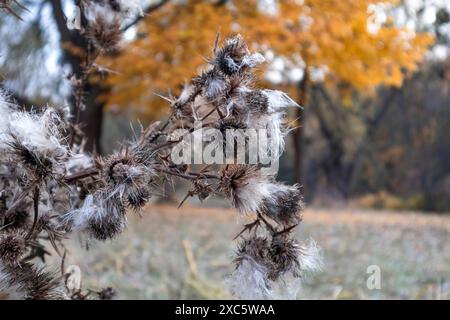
(147, 11)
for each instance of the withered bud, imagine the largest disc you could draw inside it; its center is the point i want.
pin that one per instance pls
(12, 248)
(285, 204)
(255, 247)
(38, 165)
(107, 294)
(230, 123)
(212, 84)
(41, 284)
(118, 171)
(236, 176)
(138, 198)
(284, 254)
(105, 35)
(245, 186)
(15, 219)
(110, 224)
(229, 58)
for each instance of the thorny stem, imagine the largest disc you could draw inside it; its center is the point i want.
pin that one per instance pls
(86, 173)
(189, 175)
(165, 145)
(210, 112)
(79, 88)
(163, 127)
(188, 195)
(248, 227)
(36, 195)
(268, 225)
(286, 230)
(94, 171)
(81, 175)
(176, 106)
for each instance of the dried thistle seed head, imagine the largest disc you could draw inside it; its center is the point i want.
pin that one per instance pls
(236, 176)
(102, 216)
(255, 247)
(142, 152)
(256, 101)
(230, 123)
(39, 166)
(245, 185)
(9, 288)
(284, 205)
(118, 170)
(40, 284)
(105, 229)
(125, 178)
(63, 113)
(12, 247)
(184, 114)
(202, 190)
(211, 83)
(105, 35)
(47, 222)
(249, 279)
(108, 219)
(18, 218)
(121, 169)
(284, 254)
(229, 58)
(107, 294)
(38, 133)
(138, 198)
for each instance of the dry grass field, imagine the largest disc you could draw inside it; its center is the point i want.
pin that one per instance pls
(185, 253)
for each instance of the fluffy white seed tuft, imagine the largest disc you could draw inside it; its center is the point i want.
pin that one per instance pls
(253, 60)
(310, 257)
(278, 100)
(38, 133)
(251, 195)
(249, 281)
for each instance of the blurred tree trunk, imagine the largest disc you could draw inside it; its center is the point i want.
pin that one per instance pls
(372, 125)
(75, 47)
(341, 168)
(333, 123)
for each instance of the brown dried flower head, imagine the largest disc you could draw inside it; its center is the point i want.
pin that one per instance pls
(229, 58)
(285, 205)
(12, 247)
(104, 34)
(284, 254)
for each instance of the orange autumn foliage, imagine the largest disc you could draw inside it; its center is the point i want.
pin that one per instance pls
(334, 33)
